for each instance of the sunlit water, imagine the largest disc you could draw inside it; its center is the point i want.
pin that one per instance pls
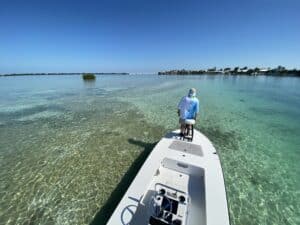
(66, 144)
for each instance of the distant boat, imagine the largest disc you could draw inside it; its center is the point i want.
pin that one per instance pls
(180, 183)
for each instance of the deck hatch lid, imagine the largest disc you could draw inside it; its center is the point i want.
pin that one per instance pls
(186, 147)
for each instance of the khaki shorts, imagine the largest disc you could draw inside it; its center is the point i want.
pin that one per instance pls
(187, 121)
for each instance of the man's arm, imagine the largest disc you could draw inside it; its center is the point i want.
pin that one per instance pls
(196, 109)
(179, 106)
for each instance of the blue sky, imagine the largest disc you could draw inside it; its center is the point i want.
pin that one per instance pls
(147, 35)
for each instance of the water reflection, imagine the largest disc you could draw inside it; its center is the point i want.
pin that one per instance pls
(89, 83)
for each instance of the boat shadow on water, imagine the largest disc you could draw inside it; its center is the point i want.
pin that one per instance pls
(108, 208)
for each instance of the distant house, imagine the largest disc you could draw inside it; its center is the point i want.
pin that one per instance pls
(263, 70)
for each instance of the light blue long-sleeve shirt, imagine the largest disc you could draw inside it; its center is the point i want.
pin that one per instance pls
(189, 107)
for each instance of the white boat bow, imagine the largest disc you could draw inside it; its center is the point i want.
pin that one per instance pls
(180, 183)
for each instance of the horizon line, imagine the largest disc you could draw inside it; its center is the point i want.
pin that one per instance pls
(153, 72)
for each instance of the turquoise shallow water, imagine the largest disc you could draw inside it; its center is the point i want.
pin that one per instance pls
(66, 144)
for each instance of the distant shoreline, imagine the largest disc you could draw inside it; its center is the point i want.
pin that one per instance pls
(228, 74)
(57, 74)
(279, 71)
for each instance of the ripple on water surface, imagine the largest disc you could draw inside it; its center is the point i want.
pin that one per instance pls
(64, 174)
(68, 154)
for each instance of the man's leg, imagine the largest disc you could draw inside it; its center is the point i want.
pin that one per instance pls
(189, 128)
(182, 128)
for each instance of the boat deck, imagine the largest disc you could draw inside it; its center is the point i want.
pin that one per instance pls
(191, 170)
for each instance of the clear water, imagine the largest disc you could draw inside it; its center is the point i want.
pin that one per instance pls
(69, 149)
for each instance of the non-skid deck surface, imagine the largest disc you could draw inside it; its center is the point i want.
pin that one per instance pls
(186, 147)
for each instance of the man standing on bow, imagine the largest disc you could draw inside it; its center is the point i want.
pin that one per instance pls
(188, 108)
